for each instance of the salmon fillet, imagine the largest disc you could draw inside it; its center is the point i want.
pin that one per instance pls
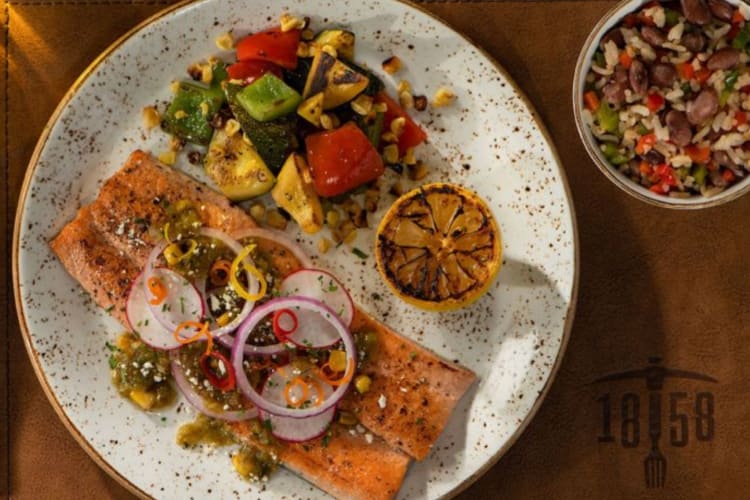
(414, 391)
(348, 465)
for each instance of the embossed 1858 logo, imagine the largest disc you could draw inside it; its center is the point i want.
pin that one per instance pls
(689, 415)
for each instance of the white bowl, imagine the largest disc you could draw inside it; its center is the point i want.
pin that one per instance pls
(606, 23)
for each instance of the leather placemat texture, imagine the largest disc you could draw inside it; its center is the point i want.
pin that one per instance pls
(656, 369)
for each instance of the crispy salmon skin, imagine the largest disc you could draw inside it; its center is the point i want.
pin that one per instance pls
(413, 392)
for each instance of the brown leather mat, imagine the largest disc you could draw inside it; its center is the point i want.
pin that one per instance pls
(662, 302)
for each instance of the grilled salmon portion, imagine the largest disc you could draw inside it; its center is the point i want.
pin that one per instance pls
(413, 391)
(348, 464)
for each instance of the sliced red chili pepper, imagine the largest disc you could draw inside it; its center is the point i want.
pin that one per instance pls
(283, 333)
(224, 382)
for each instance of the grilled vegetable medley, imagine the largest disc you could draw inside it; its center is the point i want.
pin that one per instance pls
(295, 116)
(668, 96)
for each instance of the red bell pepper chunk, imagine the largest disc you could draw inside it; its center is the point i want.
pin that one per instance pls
(654, 102)
(702, 75)
(274, 45)
(659, 188)
(645, 143)
(741, 118)
(686, 71)
(342, 159)
(250, 70)
(592, 100)
(625, 59)
(412, 135)
(698, 154)
(737, 17)
(728, 175)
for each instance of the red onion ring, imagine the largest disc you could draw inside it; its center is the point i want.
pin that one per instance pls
(277, 237)
(197, 401)
(238, 354)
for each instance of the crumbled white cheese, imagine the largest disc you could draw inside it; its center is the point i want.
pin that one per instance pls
(368, 438)
(382, 401)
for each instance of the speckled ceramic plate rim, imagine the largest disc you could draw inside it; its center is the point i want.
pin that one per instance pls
(637, 191)
(44, 136)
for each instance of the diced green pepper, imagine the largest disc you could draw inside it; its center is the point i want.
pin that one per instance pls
(599, 59)
(613, 154)
(730, 81)
(273, 140)
(190, 111)
(671, 17)
(699, 173)
(268, 98)
(373, 129)
(740, 41)
(642, 129)
(608, 118)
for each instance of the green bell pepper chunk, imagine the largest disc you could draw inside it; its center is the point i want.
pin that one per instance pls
(187, 116)
(740, 41)
(268, 98)
(612, 153)
(699, 174)
(599, 59)
(671, 17)
(373, 129)
(730, 81)
(608, 118)
(642, 129)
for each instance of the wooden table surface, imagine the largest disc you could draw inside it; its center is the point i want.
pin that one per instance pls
(660, 290)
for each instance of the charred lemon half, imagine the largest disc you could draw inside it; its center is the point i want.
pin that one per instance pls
(438, 247)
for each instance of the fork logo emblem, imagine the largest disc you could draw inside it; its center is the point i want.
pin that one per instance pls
(685, 410)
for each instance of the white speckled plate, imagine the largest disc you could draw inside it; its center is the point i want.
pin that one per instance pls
(490, 140)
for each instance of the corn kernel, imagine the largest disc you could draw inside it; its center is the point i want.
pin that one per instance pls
(207, 73)
(289, 22)
(143, 398)
(409, 157)
(406, 100)
(397, 125)
(168, 157)
(303, 49)
(308, 34)
(174, 87)
(204, 108)
(224, 319)
(225, 41)
(275, 219)
(326, 121)
(362, 383)
(362, 105)
(443, 97)
(332, 218)
(397, 189)
(403, 86)
(417, 172)
(232, 127)
(389, 137)
(392, 65)
(324, 244)
(337, 360)
(380, 107)
(330, 50)
(258, 211)
(180, 114)
(151, 117)
(390, 154)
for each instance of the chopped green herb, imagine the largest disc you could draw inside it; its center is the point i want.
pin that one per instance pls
(326, 439)
(109, 309)
(359, 253)
(111, 347)
(112, 362)
(419, 421)
(412, 355)
(267, 424)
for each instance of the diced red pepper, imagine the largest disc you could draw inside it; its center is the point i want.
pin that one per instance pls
(738, 18)
(712, 167)
(645, 143)
(666, 174)
(698, 154)
(728, 175)
(342, 159)
(625, 59)
(591, 100)
(659, 188)
(686, 71)
(274, 45)
(741, 117)
(702, 75)
(250, 70)
(412, 135)
(645, 168)
(654, 102)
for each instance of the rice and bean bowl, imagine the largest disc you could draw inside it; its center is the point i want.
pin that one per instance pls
(667, 96)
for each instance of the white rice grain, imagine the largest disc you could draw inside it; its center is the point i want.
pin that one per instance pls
(678, 161)
(701, 134)
(675, 34)
(728, 141)
(674, 95)
(718, 121)
(640, 109)
(601, 71)
(611, 54)
(657, 14)
(674, 46)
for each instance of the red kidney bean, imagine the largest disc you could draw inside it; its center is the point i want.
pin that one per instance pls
(703, 107)
(614, 35)
(654, 157)
(694, 42)
(653, 36)
(696, 11)
(679, 128)
(725, 58)
(638, 77)
(614, 93)
(721, 9)
(663, 75)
